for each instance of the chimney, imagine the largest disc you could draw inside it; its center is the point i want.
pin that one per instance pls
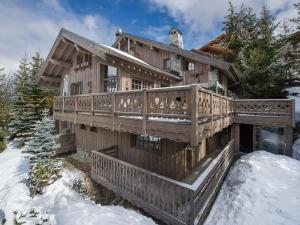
(175, 38)
(119, 32)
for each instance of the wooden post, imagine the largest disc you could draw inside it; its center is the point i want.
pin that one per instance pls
(235, 134)
(145, 106)
(293, 119)
(194, 115)
(212, 115)
(113, 102)
(288, 140)
(75, 110)
(63, 108)
(91, 109)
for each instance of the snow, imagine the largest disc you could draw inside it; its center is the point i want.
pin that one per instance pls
(262, 188)
(125, 54)
(296, 149)
(59, 199)
(297, 106)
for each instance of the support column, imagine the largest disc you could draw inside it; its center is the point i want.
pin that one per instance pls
(235, 134)
(288, 140)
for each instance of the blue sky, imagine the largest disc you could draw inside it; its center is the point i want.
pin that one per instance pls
(31, 25)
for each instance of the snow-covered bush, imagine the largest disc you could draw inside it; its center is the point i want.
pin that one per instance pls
(43, 174)
(33, 216)
(45, 169)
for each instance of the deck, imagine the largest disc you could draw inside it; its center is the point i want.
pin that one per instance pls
(184, 114)
(173, 202)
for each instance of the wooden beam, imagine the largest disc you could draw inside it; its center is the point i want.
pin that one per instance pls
(51, 79)
(61, 63)
(77, 47)
(60, 54)
(69, 53)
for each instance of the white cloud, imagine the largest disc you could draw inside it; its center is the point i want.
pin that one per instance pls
(158, 33)
(200, 18)
(30, 27)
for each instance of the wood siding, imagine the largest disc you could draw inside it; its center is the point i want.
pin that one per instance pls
(169, 162)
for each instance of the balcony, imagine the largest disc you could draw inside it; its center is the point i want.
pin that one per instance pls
(184, 113)
(174, 202)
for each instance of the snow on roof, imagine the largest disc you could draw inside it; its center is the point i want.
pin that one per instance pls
(124, 54)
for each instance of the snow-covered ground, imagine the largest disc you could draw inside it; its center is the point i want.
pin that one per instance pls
(261, 188)
(66, 206)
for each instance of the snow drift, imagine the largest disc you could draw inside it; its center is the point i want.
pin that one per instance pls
(65, 205)
(261, 188)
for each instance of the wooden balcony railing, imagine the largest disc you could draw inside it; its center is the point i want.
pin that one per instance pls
(185, 113)
(277, 112)
(172, 201)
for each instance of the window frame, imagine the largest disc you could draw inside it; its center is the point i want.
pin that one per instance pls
(110, 81)
(145, 143)
(137, 84)
(190, 66)
(77, 88)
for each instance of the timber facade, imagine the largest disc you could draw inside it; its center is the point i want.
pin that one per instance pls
(159, 124)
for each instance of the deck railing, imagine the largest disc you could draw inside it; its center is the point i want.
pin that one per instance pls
(264, 111)
(199, 109)
(185, 104)
(172, 201)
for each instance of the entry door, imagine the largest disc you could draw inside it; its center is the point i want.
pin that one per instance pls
(246, 138)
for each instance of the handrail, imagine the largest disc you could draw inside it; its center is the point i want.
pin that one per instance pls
(179, 200)
(190, 102)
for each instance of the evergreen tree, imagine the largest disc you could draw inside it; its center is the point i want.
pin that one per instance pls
(29, 99)
(239, 26)
(41, 149)
(264, 59)
(297, 19)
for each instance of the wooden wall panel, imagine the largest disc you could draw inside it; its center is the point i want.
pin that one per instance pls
(169, 162)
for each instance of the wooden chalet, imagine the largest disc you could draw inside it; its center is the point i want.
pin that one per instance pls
(156, 121)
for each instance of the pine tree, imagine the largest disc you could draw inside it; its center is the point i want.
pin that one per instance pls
(29, 99)
(41, 149)
(264, 59)
(239, 26)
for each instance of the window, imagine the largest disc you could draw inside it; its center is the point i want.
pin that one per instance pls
(138, 84)
(150, 143)
(167, 64)
(83, 59)
(76, 88)
(190, 66)
(93, 129)
(111, 79)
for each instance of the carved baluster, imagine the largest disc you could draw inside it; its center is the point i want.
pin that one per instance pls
(75, 110)
(194, 115)
(91, 104)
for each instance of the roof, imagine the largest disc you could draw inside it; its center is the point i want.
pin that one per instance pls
(193, 54)
(100, 50)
